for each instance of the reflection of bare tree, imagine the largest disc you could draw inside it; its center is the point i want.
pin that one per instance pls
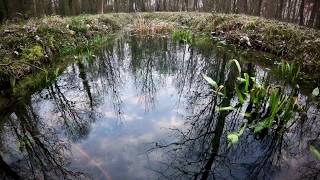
(105, 72)
(143, 64)
(201, 151)
(76, 123)
(194, 154)
(42, 154)
(83, 76)
(6, 171)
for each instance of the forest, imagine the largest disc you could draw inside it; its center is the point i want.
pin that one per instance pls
(159, 89)
(302, 12)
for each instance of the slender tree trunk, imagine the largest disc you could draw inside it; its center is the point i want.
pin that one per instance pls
(301, 12)
(318, 20)
(3, 10)
(101, 9)
(245, 6)
(289, 10)
(242, 6)
(165, 5)
(130, 5)
(157, 5)
(315, 9)
(185, 5)
(195, 5)
(259, 9)
(235, 6)
(280, 10)
(115, 5)
(34, 7)
(293, 19)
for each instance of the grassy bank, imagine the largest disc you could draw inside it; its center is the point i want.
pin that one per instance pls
(27, 47)
(294, 43)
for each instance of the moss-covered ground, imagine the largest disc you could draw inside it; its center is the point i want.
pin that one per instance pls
(28, 46)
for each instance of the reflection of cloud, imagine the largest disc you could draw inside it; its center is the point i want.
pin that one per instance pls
(172, 122)
(133, 100)
(109, 114)
(122, 150)
(116, 154)
(93, 162)
(124, 117)
(119, 143)
(131, 118)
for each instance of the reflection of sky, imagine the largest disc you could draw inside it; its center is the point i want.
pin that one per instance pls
(118, 145)
(108, 144)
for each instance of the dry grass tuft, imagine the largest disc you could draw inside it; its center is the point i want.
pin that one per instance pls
(146, 26)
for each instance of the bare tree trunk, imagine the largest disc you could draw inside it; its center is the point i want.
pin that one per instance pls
(157, 5)
(34, 7)
(301, 12)
(280, 10)
(242, 6)
(195, 5)
(101, 9)
(235, 6)
(130, 6)
(293, 19)
(315, 9)
(318, 20)
(115, 5)
(185, 5)
(289, 10)
(3, 10)
(259, 9)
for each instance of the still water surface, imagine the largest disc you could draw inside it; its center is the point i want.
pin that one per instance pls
(140, 109)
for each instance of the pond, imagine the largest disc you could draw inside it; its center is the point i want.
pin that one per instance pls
(139, 108)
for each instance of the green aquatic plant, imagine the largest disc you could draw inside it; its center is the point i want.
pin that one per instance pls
(216, 89)
(315, 152)
(182, 36)
(265, 106)
(233, 137)
(236, 63)
(289, 71)
(281, 108)
(257, 95)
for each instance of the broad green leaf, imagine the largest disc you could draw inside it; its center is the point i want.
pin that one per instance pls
(233, 138)
(315, 92)
(247, 115)
(229, 108)
(236, 62)
(241, 79)
(247, 80)
(240, 95)
(210, 81)
(242, 129)
(259, 127)
(315, 152)
(218, 93)
(263, 124)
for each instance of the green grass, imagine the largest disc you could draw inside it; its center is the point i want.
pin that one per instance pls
(182, 36)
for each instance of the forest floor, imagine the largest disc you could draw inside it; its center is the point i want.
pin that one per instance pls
(28, 45)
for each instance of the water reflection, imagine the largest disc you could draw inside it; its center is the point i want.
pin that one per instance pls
(202, 150)
(30, 149)
(103, 113)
